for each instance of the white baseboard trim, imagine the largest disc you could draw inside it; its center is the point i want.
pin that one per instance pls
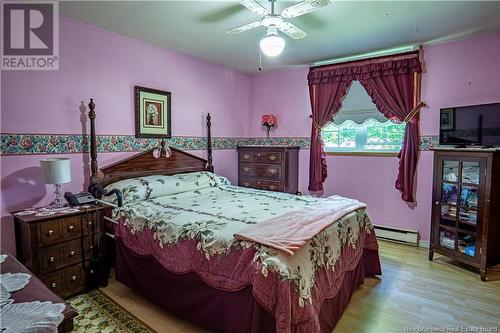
(398, 235)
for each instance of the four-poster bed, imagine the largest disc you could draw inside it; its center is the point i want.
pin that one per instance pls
(174, 243)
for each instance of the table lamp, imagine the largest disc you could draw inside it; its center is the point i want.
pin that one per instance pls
(56, 171)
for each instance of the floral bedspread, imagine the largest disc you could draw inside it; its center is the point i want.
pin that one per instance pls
(190, 227)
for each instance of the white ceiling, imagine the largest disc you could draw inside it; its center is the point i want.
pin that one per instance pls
(342, 29)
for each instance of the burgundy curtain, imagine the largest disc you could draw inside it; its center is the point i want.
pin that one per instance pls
(390, 83)
(326, 100)
(394, 97)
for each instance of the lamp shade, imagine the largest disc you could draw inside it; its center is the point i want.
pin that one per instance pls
(56, 170)
(272, 45)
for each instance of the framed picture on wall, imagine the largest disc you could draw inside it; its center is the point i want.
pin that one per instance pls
(152, 113)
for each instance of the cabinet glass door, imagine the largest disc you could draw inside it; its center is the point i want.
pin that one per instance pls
(468, 208)
(449, 197)
(459, 202)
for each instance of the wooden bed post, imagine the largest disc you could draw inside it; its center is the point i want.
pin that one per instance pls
(210, 167)
(97, 177)
(93, 143)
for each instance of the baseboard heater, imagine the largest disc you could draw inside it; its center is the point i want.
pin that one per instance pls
(403, 236)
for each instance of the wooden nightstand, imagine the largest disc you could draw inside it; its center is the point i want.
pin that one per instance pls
(57, 248)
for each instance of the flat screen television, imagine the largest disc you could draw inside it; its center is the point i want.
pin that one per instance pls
(475, 125)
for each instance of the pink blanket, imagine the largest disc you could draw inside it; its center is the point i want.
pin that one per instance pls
(290, 231)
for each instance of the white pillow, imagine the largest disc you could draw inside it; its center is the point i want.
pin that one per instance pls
(150, 187)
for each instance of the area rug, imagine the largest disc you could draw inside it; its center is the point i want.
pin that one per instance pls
(97, 312)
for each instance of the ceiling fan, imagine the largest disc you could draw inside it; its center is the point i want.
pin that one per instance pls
(272, 45)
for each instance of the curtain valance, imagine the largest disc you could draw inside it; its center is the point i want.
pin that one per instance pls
(366, 69)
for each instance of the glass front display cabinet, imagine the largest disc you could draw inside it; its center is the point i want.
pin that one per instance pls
(463, 217)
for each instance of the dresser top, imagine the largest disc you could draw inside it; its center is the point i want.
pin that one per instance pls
(39, 214)
(268, 147)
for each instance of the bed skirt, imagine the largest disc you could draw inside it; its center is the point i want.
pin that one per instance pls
(188, 297)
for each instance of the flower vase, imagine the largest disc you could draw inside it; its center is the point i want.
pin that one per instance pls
(268, 130)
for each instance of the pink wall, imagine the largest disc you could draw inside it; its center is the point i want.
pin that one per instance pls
(104, 65)
(458, 73)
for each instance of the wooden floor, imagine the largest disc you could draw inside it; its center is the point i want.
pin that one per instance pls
(412, 292)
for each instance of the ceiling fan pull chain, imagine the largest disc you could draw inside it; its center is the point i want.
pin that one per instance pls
(260, 59)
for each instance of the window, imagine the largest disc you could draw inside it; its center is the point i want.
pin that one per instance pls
(359, 127)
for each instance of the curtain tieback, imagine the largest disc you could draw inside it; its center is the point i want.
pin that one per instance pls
(414, 112)
(316, 125)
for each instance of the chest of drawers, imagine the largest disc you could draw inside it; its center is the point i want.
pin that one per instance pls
(271, 168)
(58, 248)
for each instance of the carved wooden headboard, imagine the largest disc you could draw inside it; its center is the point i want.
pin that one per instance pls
(144, 163)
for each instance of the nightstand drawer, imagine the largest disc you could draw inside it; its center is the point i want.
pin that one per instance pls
(267, 185)
(269, 171)
(87, 247)
(72, 252)
(55, 282)
(74, 278)
(72, 227)
(88, 223)
(49, 233)
(58, 230)
(260, 156)
(51, 258)
(61, 255)
(67, 281)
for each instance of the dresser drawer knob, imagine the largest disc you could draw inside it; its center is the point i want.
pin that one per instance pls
(70, 228)
(51, 259)
(90, 222)
(272, 187)
(258, 154)
(53, 285)
(246, 169)
(258, 182)
(73, 278)
(91, 271)
(272, 157)
(50, 232)
(72, 253)
(246, 184)
(246, 156)
(273, 171)
(437, 203)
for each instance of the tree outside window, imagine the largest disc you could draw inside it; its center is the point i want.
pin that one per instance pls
(360, 127)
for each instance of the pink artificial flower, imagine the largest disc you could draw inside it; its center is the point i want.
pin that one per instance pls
(269, 120)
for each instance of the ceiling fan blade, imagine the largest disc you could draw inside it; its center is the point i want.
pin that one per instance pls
(244, 27)
(254, 7)
(292, 30)
(304, 7)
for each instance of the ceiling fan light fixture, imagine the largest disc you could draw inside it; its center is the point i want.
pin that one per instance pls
(272, 45)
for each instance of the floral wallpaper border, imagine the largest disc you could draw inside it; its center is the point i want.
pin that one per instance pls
(28, 144)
